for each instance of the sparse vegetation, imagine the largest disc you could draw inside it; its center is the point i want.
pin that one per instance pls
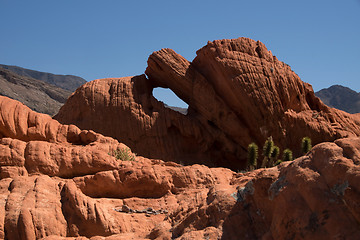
(123, 154)
(287, 155)
(252, 156)
(271, 153)
(305, 145)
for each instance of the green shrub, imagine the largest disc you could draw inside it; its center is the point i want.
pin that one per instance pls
(305, 145)
(267, 149)
(252, 156)
(123, 154)
(287, 155)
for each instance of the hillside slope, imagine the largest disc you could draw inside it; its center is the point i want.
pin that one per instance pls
(340, 97)
(38, 95)
(68, 82)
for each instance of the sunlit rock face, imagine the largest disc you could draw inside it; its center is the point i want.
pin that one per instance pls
(58, 181)
(237, 93)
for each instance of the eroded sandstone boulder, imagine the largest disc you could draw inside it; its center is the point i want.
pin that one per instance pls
(34, 143)
(53, 188)
(237, 92)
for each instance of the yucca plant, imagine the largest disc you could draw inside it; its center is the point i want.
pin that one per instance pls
(267, 150)
(287, 155)
(252, 156)
(305, 145)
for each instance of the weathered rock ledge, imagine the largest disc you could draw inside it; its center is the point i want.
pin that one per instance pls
(58, 182)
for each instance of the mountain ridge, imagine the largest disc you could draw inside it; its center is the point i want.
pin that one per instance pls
(41, 91)
(36, 94)
(68, 82)
(340, 97)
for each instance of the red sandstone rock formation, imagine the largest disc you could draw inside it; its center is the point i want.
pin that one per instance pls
(237, 92)
(35, 143)
(58, 182)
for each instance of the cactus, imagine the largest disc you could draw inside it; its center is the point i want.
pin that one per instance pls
(305, 145)
(287, 155)
(267, 150)
(273, 156)
(252, 156)
(268, 147)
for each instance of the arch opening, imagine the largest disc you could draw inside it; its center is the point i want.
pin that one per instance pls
(170, 99)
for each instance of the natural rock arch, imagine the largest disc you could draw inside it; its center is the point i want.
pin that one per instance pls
(237, 92)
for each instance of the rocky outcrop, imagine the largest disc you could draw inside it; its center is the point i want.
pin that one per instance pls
(34, 143)
(237, 93)
(125, 107)
(298, 199)
(38, 95)
(60, 182)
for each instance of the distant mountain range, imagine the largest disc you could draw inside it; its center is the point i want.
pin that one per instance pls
(40, 91)
(340, 97)
(68, 82)
(178, 109)
(46, 92)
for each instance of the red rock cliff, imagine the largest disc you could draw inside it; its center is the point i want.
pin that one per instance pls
(237, 92)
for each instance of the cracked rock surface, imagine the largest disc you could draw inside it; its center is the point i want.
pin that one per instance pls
(59, 182)
(237, 93)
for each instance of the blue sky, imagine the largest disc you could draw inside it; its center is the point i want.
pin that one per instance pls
(319, 39)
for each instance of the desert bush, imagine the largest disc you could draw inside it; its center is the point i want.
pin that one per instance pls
(123, 154)
(252, 156)
(305, 145)
(287, 155)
